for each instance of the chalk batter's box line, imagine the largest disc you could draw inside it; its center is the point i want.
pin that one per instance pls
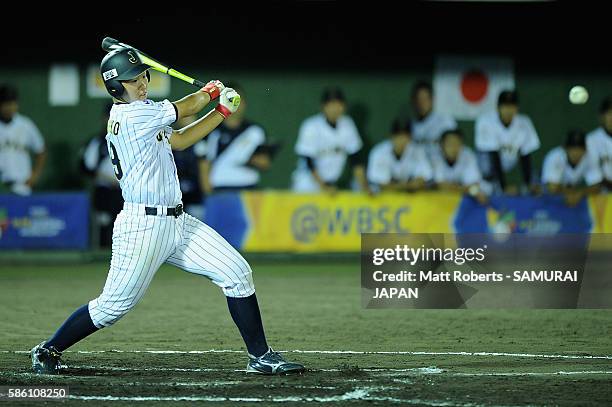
(347, 352)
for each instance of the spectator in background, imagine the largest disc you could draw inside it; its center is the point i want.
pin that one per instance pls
(187, 163)
(236, 153)
(325, 142)
(429, 124)
(599, 142)
(398, 164)
(19, 138)
(107, 198)
(455, 167)
(507, 137)
(570, 171)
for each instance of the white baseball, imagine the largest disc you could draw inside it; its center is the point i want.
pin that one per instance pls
(578, 95)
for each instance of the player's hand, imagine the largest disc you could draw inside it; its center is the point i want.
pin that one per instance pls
(213, 88)
(229, 100)
(535, 189)
(331, 190)
(573, 198)
(511, 190)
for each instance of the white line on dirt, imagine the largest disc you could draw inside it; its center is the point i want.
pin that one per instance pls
(358, 394)
(412, 371)
(560, 373)
(349, 352)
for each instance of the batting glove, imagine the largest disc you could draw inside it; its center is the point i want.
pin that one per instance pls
(213, 88)
(229, 101)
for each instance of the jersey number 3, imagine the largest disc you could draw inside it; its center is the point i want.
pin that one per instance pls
(115, 160)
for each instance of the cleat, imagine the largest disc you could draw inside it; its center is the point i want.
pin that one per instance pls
(46, 360)
(272, 363)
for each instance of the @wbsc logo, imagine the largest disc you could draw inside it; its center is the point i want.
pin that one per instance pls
(310, 221)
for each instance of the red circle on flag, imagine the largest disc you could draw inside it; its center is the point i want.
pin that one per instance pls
(474, 86)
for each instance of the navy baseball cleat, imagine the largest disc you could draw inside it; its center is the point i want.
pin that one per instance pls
(271, 363)
(45, 360)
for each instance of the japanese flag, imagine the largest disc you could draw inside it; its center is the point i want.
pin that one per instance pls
(465, 87)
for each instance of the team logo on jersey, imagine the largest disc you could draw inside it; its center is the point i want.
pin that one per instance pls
(161, 135)
(110, 74)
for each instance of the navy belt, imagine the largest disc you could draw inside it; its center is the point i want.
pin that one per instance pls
(176, 212)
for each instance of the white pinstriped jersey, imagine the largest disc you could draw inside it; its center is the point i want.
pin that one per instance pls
(138, 140)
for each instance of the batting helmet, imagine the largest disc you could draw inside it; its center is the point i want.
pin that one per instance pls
(120, 65)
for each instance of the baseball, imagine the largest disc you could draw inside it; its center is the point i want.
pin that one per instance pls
(578, 95)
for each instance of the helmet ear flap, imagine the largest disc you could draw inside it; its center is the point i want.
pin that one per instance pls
(115, 88)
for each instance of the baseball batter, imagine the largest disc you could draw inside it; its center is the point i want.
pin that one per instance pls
(152, 228)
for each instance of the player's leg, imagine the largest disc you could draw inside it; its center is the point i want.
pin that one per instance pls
(203, 251)
(140, 246)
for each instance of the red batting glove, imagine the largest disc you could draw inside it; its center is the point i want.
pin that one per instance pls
(213, 88)
(223, 110)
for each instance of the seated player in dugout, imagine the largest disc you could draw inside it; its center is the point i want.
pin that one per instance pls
(233, 155)
(506, 137)
(599, 142)
(398, 164)
(570, 171)
(429, 125)
(326, 141)
(455, 167)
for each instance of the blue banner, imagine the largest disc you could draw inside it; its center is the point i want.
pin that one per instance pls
(543, 215)
(44, 221)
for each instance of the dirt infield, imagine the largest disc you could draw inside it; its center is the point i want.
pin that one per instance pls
(179, 347)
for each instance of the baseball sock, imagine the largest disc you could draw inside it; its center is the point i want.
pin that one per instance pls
(246, 316)
(76, 327)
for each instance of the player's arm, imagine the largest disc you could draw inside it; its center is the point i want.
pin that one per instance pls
(39, 163)
(195, 102)
(452, 186)
(184, 138)
(359, 171)
(315, 175)
(498, 172)
(415, 184)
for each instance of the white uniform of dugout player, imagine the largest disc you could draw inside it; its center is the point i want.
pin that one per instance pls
(399, 164)
(325, 142)
(599, 142)
(19, 139)
(455, 167)
(152, 228)
(570, 171)
(429, 124)
(507, 137)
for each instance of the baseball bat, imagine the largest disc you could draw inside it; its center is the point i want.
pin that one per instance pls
(109, 44)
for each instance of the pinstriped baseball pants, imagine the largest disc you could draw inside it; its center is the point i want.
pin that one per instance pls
(142, 243)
